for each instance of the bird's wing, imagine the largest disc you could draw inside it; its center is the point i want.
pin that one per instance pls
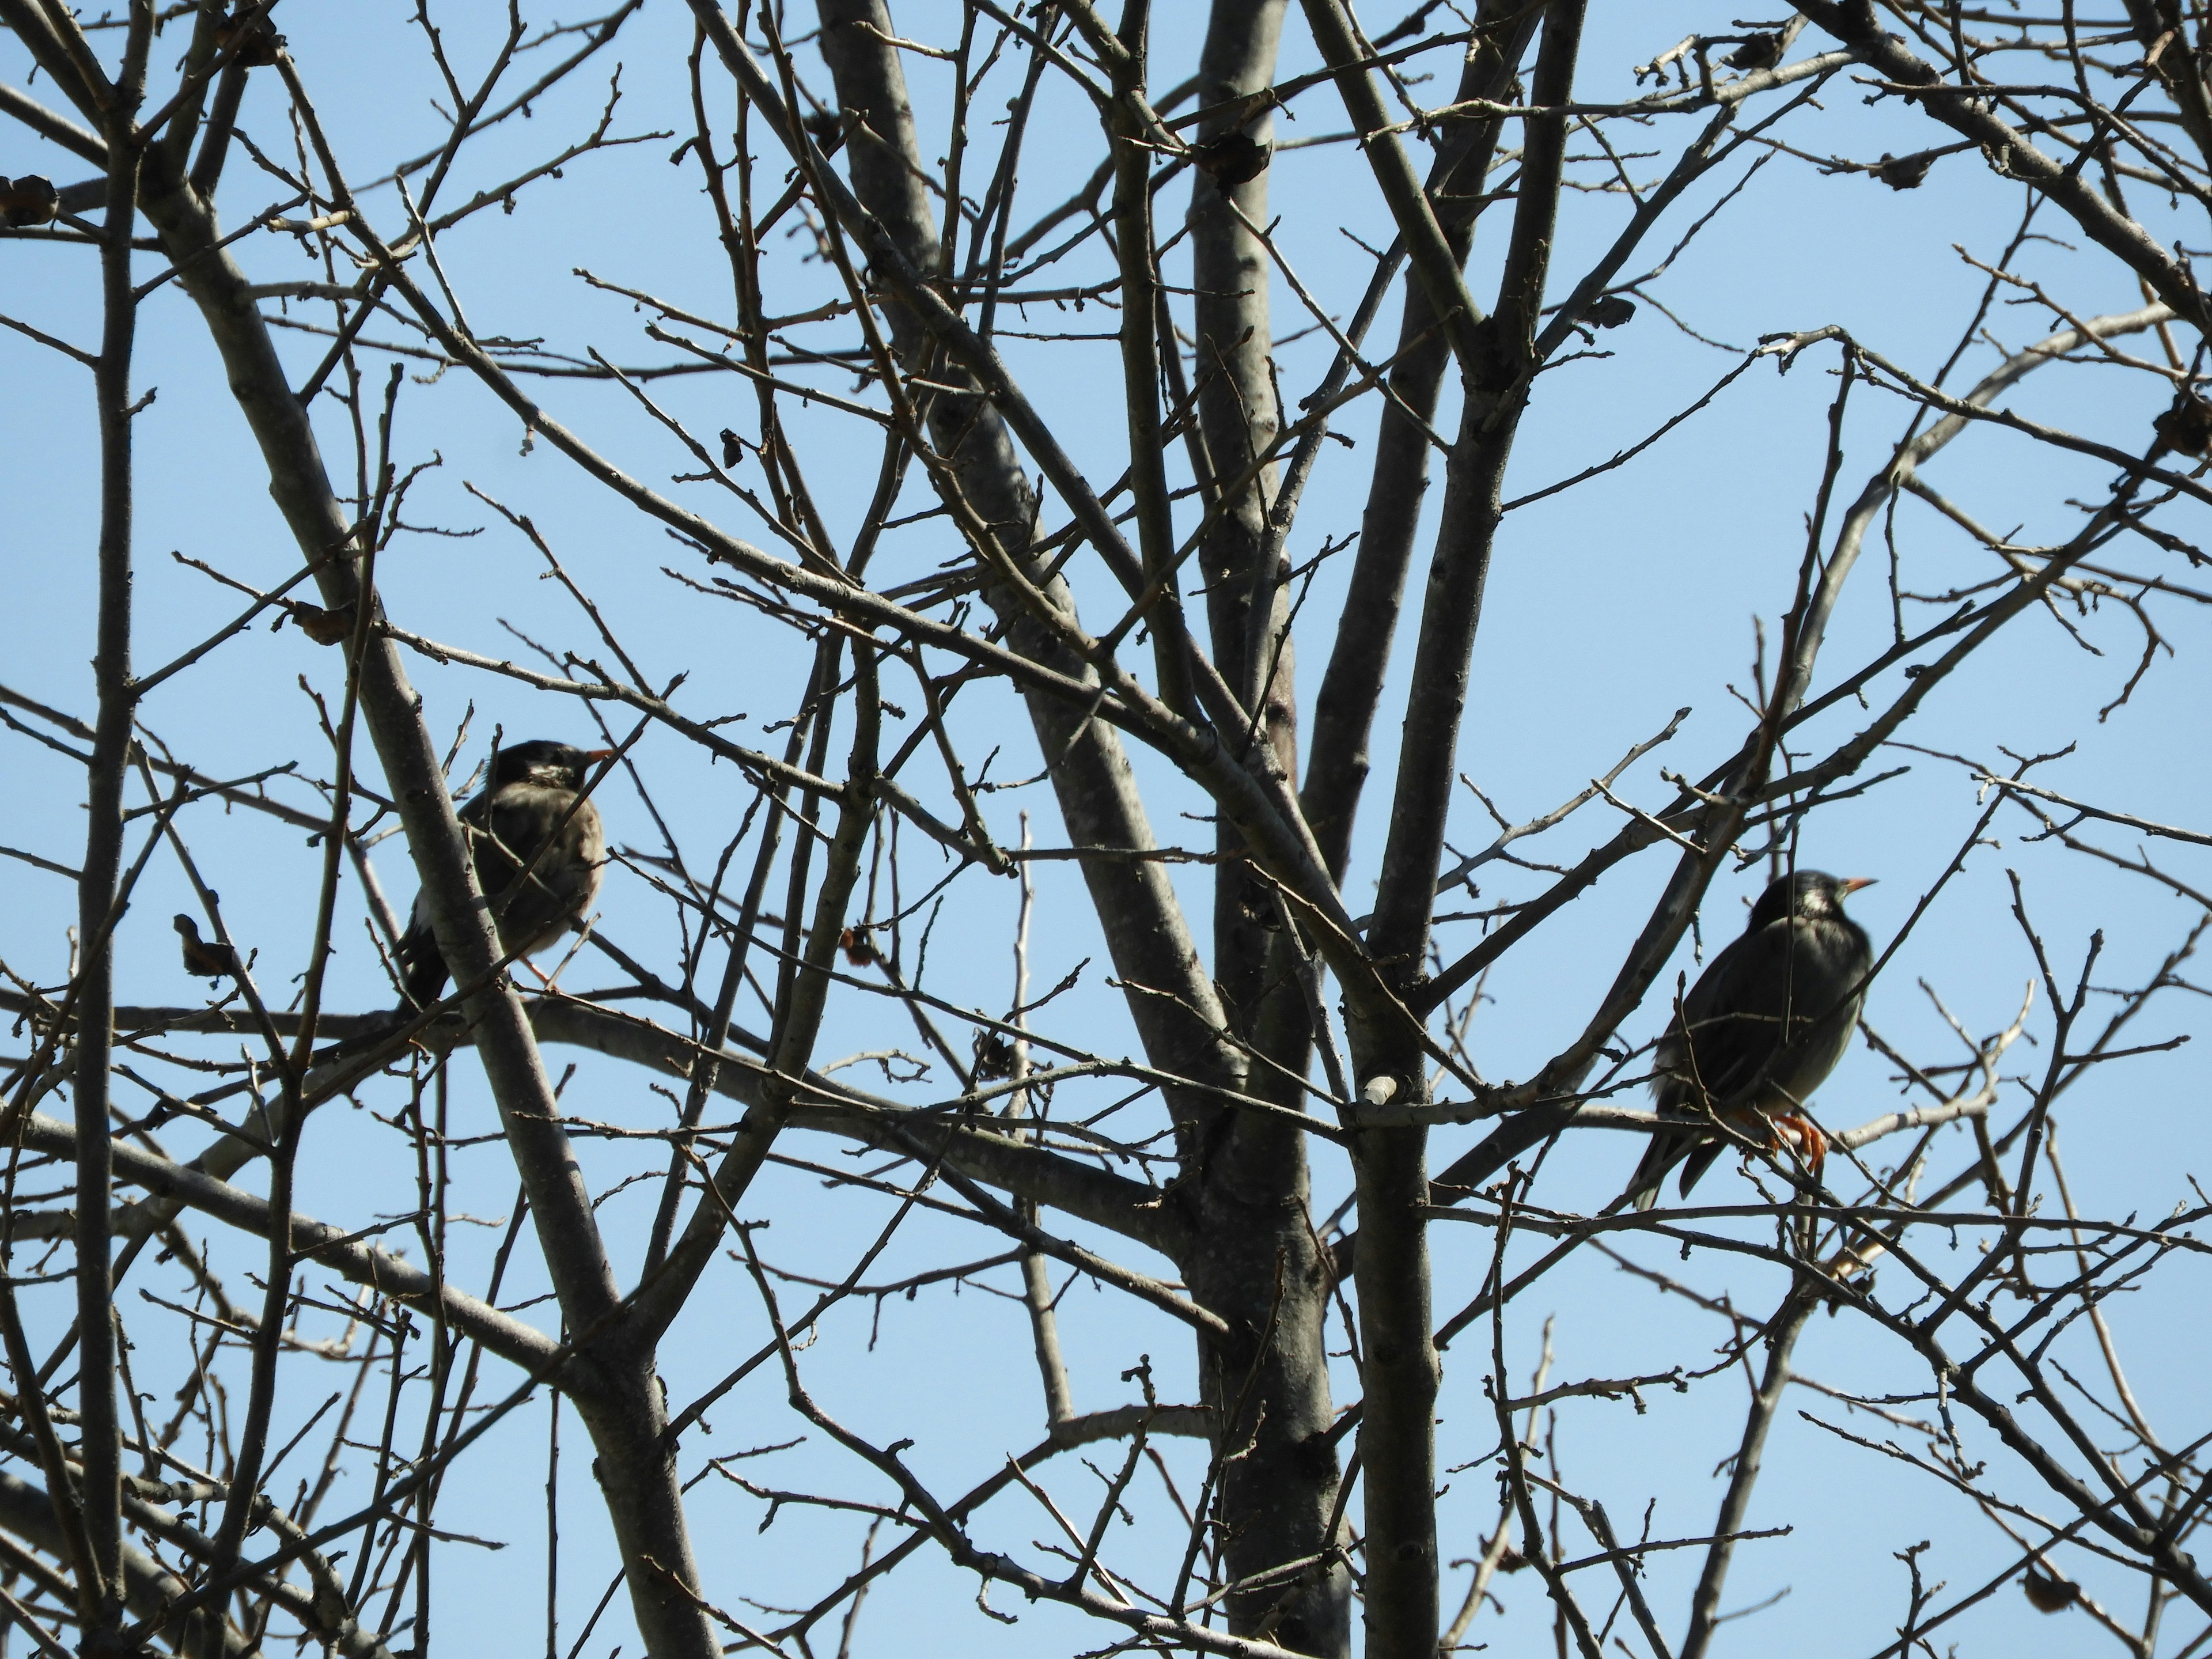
(1728, 1027)
(422, 969)
(1700, 1049)
(1680, 1086)
(1831, 965)
(499, 818)
(562, 884)
(1742, 1011)
(1695, 1011)
(521, 821)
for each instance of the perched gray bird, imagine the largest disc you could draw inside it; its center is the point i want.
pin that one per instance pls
(1761, 1029)
(530, 818)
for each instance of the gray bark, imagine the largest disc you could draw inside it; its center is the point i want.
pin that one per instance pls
(1255, 1260)
(1351, 689)
(1391, 1266)
(147, 1587)
(1247, 1226)
(101, 1449)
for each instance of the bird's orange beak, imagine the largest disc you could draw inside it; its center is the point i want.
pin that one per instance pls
(599, 754)
(1855, 882)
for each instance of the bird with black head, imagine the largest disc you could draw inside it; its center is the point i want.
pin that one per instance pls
(1761, 1029)
(539, 852)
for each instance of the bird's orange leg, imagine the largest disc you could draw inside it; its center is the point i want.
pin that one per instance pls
(1801, 1136)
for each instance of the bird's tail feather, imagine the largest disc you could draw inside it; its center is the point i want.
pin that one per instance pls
(1659, 1155)
(422, 972)
(1701, 1159)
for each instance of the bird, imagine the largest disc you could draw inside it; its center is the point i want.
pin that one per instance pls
(1758, 52)
(530, 816)
(1233, 158)
(204, 958)
(2186, 426)
(1609, 311)
(1904, 172)
(323, 627)
(27, 201)
(1761, 1029)
(2047, 1592)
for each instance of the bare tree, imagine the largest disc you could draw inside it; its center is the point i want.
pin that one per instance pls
(1110, 412)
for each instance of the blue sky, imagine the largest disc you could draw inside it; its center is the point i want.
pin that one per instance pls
(1609, 608)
